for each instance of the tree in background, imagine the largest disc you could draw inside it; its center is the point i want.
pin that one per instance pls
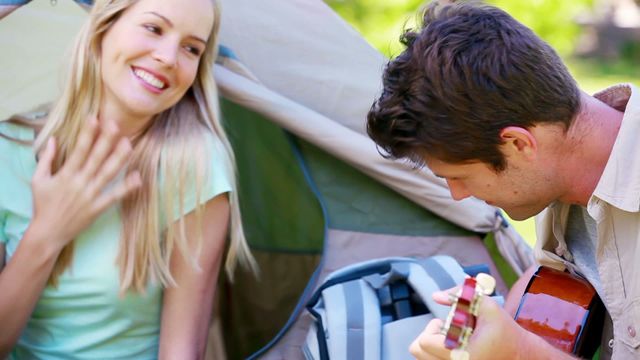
(381, 21)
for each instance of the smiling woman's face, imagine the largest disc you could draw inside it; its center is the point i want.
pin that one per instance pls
(150, 55)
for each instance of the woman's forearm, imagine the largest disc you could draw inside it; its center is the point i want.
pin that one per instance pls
(22, 281)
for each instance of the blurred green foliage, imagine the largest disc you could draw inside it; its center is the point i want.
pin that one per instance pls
(382, 21)
(552, 20)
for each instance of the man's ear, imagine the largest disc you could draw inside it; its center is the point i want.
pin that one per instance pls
(518, 141)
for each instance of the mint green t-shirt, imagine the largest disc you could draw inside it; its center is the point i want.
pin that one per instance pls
(84, 317)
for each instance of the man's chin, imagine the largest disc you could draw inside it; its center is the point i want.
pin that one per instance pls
(518, 217)
(521, 214)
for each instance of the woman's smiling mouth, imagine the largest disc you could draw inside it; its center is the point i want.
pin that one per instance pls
(154, 82)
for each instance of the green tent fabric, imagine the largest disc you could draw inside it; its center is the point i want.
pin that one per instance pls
(304, 190)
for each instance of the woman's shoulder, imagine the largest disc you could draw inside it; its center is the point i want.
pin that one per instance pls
(22, 127)
(208, 173)
(218, 157)
(17, 162)
(9, 128)
(17, 135)
(14, 134)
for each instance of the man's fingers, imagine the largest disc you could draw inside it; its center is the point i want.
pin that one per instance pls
(46, 159)
(430, 343)
(444, 297)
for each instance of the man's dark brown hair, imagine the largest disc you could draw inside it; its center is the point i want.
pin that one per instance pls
(470, 71)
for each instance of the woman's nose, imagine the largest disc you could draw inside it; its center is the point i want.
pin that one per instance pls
(166, 52)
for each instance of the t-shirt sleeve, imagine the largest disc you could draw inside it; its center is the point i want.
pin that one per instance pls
(15, 174)
(217, 181)
(3, 220)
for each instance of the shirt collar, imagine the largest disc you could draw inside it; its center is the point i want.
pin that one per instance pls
(619, 184)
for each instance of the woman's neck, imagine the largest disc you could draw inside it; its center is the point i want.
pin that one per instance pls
(129, 124)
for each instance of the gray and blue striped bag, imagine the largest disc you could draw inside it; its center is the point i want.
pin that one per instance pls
(373, 310)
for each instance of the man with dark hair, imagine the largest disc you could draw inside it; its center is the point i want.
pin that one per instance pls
(485, 104)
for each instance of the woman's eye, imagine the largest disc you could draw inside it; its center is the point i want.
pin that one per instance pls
(193, 50)
(153, 28)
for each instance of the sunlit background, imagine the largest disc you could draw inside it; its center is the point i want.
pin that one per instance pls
(598, 39)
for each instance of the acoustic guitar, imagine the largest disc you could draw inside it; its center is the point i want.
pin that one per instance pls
(563, 309)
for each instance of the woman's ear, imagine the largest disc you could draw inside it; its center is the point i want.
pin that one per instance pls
(518, 141)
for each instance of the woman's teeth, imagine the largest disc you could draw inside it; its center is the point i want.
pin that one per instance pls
(149, 79)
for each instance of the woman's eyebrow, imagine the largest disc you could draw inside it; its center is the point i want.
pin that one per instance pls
(166, 20)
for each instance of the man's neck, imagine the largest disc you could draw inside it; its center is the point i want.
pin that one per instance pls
(588, 145)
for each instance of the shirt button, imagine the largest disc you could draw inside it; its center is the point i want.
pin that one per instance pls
(610, 344)
(632, 331)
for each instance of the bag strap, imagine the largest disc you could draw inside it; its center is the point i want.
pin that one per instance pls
(347, 306)
(352, 319)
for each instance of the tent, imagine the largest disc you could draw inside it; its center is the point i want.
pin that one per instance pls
(296, 82)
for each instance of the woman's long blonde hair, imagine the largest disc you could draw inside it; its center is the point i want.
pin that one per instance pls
(163, 154)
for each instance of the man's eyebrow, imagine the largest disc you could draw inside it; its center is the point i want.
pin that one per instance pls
(165, 19)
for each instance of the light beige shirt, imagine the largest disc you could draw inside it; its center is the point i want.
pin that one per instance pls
(615, 206)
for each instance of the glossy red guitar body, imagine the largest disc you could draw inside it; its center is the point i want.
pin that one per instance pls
(563, 309)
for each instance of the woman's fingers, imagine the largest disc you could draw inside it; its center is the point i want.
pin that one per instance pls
(118, 192)
(100, 154)
(73, 197)
(102, 147)
(112, 165)
(46, 160)
(78, 156)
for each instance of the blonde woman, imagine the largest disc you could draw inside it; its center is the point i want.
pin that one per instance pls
(114, 207)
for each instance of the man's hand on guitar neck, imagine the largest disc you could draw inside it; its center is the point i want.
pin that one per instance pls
(496, 336)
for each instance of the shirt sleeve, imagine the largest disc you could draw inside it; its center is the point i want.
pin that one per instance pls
(3, 220)
(217, 181)
(15, 176)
